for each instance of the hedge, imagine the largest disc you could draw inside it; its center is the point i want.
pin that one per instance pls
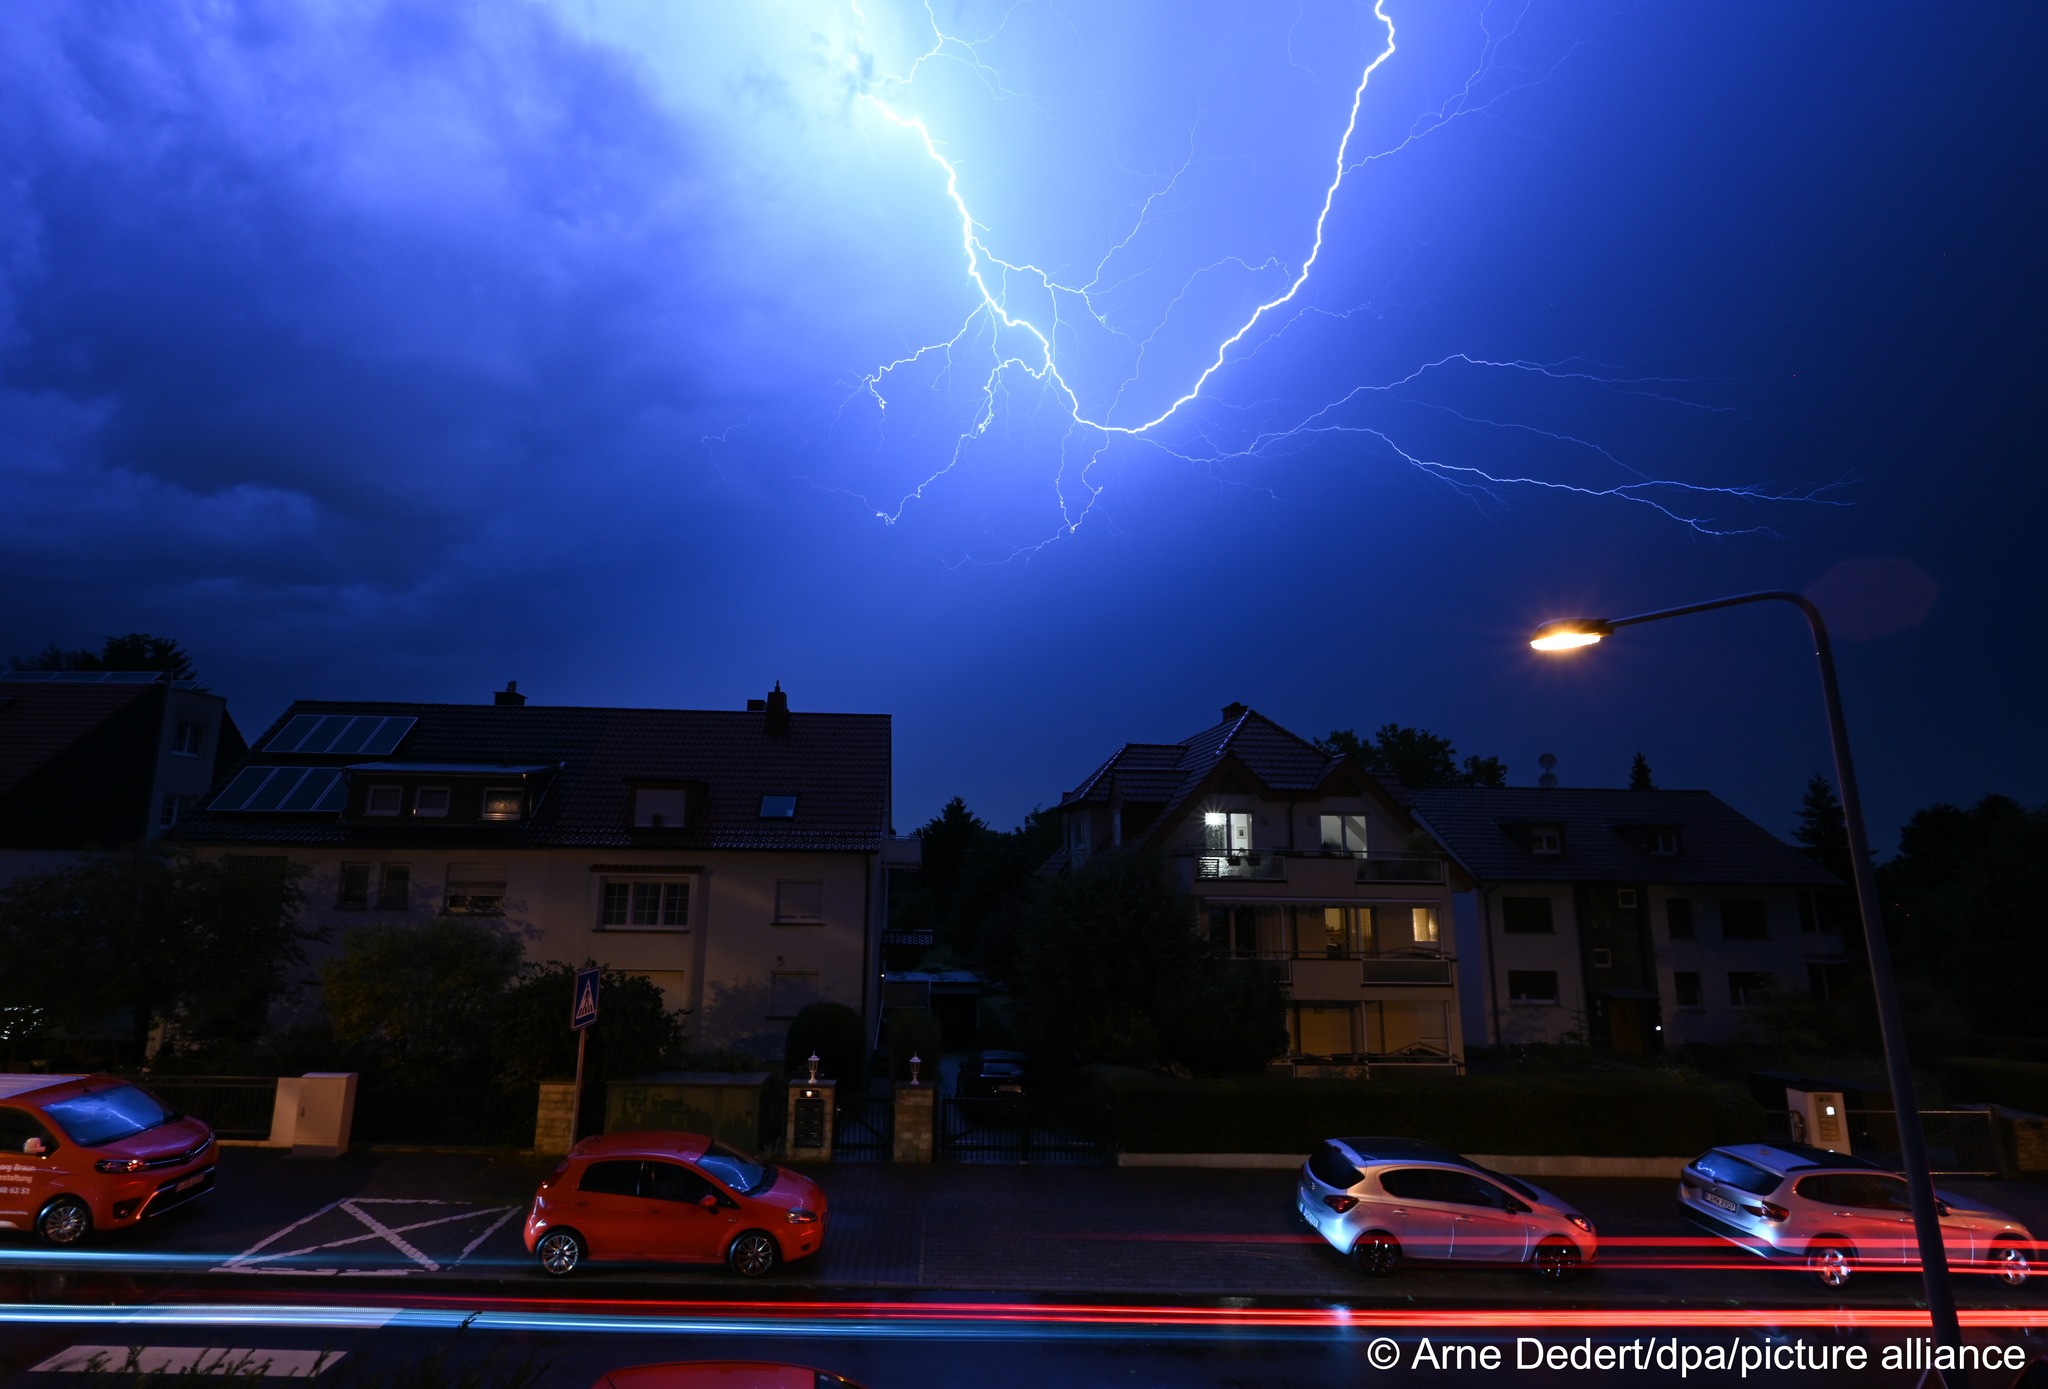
(1564, 1115)
(1983, 1080)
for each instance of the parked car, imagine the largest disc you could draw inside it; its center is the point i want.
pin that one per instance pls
(1840, 1213)
(1383, 1200)
(678, 1197)
(723, 1374)
(80, 1153)
(987, 1074)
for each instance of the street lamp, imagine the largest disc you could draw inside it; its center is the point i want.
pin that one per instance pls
(1570, 633)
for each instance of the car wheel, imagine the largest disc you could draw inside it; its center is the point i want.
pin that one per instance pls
(1378, 1254)
(66, 1220)
(561, 1252)
(753, 1255)
(2009, 1261)
(1556, 1260)
(1832, 1264)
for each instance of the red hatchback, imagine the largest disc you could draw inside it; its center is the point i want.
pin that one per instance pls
(675, 1197)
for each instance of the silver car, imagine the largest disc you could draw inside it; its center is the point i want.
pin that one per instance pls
(1382, 1200)
(1840, 1213)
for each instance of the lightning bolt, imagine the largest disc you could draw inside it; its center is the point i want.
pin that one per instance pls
(1019, 309)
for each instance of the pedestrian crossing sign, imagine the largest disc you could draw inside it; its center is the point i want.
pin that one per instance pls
(583, 1012)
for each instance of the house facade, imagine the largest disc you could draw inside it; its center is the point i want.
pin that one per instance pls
(1302, 859)
(737, 859)
(1629, 920)
(97, 759)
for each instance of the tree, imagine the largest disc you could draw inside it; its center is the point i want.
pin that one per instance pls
(135, 651)
(635, 1033)
(157, 937)
(1639, 775)
(835, 1034)
(970, 885)
(1415, 757)
(423, 998)
(1822, 832)
(1111, 969)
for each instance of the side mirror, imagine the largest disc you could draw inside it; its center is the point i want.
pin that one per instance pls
(1943, 1208)
(35, 1147)
(709, 1203)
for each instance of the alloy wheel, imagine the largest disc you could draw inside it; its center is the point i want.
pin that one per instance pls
(559, 1251)
(1556, 1261)
(64, 1221)
(2010, 1263)
(1378, 1254)
(1831, 1264)
(753, 1254)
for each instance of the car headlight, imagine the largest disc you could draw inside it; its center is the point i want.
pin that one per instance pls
(120, 1164)
(1582, 1223)
(800, 1216)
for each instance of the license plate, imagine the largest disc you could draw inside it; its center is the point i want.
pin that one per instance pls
(1715, 1199)
(194, 1180)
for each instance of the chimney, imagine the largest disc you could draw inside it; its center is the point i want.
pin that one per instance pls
(777, 722)
(509, 697)
(1234, 711)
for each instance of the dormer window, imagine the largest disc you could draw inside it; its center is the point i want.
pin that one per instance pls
(660, 808)
(384, 800)
(1664, 842)
(431, 802)
(1343, 834)
(504, 803)
(778, 807)
(1546, 839)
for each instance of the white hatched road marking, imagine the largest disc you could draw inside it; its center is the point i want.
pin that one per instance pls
(254, 1256)
(158, 1360)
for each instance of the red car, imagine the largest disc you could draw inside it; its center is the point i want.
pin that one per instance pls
(723, 1374)
(672, 1196)
(86, 1153)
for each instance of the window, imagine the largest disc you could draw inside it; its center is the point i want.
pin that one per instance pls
(1464, 1189)
(1332, 1168)
(664, 808)
(504, 803)
(1809, 919)
(645, 904)
(1742, 918)
(616, 1178)
(430, 801)
(1602, 958)
(175, 809)
(778, 807)
(790, 992)
(1678, 918)
(1729, 1170)
(671, 1181)
(1526, 916)
(799, 901)
(1343, 834)
(394, 889)
(1410, 1183)
(1546, 839)
(476, 889)
(353, 894)
(1685, 985)
(1423, 920)
(1625, 898)
(1532, 986)
(1663, 843)
(1226, 832)
(383, 800)
(1234, 931)
(1326, 1029)
(1747, 990)
(188, 739)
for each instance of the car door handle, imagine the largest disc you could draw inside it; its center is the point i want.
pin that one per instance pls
(1396, 1210)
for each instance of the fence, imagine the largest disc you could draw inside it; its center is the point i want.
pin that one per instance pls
(862, 1128)
(232, 1106)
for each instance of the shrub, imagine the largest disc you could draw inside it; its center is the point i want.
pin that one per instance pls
(839, 1038)
(913, 1032)
(1982, 1080)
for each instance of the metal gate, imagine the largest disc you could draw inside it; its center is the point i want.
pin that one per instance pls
(1021, 1128)
(862, 1127)
(232, 1106)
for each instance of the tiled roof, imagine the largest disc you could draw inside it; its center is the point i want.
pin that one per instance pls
(1605, 837)
(40, 719)
(836, 765)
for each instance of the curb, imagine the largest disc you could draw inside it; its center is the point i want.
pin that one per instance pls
(1515, 1164)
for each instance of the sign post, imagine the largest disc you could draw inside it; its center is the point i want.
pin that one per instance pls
(582, 1013)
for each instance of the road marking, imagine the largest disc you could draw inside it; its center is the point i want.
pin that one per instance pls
(159, 1360)
(255, 1256)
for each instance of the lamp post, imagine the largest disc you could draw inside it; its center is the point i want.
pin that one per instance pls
(1570, 633)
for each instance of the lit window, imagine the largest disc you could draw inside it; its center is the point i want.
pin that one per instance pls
(1343, 834)
(504, 803)
(383, 800)
(188, 739)
(645, 904)
(431, 801)
(476, 889)
(778, 807)
(1424, 919)
(1227, 832)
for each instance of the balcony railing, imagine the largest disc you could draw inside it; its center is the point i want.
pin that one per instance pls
(1264, 866)
(1406, 869)
(1412, 970)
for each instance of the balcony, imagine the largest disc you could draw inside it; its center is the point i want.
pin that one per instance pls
(1408, 869)
(1265, 866)
(1414, 969)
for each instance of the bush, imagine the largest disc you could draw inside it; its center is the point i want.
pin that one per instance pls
(1981, 1080)
(913, 1032)
(836, 1034)
(1590, 1115)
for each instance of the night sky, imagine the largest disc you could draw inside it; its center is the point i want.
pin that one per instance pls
(392, 351)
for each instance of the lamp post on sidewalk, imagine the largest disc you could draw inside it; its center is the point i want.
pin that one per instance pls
(1570, 633)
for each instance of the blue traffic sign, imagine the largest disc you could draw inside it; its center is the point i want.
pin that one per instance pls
(583, 1011)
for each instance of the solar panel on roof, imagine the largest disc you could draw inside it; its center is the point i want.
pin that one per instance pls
(357, 733)
(336, 798)
(272, 792)
(321, 736)
(287, 739)
(388, 735)
(289, 790)
(312, 790)
(238, 791)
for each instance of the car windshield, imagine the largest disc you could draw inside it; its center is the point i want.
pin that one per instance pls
(736, 1170)
(102, 1116)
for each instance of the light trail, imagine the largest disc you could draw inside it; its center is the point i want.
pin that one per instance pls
(1020, 338)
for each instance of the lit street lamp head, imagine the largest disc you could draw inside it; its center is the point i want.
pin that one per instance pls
(1569, 632)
